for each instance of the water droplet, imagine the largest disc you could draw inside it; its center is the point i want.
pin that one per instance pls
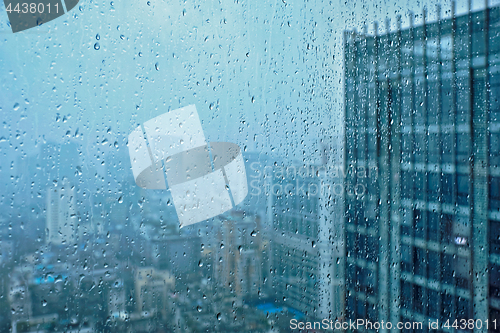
(253, 233)
(97, 46)
(44, 303)
(157, 66)
(219, 316)
(16, 106)
(97, 37)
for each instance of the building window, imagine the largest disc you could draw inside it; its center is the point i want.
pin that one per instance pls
(406, 258)
(433, 226)
(494, 233)
(494, 199)
(433, 190)
(418, 223)
(463, 189)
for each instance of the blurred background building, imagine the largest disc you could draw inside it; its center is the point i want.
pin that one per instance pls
(238, 258)
(307, 239)
(61, 214)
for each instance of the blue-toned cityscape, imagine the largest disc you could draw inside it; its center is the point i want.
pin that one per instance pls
(371, 157)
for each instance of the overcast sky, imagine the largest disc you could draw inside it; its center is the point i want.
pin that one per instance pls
(266, 75)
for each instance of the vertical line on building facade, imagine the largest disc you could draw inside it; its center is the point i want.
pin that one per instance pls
(439, 141)
(425, 154)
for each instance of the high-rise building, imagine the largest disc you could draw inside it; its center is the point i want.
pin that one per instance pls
(307, 239)
(58, 173)
(422, 110)
(151, 290)
(237, 259)
(61, 214)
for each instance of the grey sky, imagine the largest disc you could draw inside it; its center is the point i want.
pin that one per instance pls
(266, 75)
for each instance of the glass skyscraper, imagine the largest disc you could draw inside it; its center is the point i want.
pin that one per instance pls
(422, 108)
(307, 250)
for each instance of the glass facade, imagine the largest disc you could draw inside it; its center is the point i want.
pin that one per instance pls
(249, 166)
(421, 107)
(308, 252)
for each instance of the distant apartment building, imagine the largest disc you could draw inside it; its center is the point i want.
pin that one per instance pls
(305, 204)
(179, 253)
(238, 255)
(57, 175)
(422, 107)
(61, 214)
(152, 289)
(37, 291)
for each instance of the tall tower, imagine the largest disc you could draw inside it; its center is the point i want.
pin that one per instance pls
(61, 214)
(238, 254)
(60, 173)
(422, 114)
(307, 239)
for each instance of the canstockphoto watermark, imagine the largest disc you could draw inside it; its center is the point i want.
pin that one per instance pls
(310, 180)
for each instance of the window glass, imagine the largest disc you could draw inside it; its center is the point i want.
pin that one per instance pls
(249, 166)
